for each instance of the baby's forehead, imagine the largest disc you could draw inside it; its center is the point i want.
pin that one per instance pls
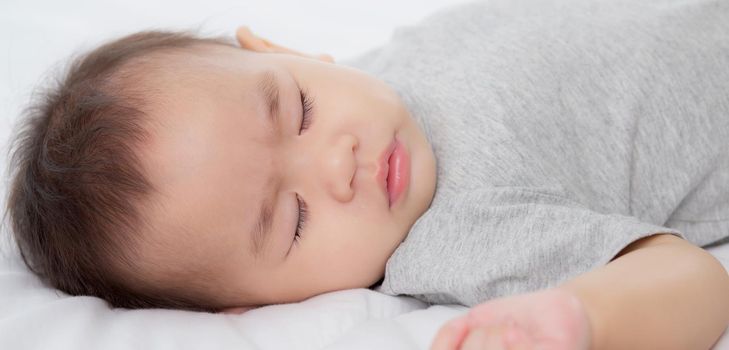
(165, 78)
(173, 66)
(195, 133)
(207, 57)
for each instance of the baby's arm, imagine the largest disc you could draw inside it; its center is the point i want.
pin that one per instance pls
(660, 293)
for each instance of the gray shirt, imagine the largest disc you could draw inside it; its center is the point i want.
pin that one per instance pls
(563, 131)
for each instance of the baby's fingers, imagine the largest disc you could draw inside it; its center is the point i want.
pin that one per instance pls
(481, 339)
(451, 335)
(497, 338)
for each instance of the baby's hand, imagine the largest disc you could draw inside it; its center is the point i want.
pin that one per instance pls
(545, 320)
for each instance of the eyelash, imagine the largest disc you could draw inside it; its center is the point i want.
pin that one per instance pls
(303, 213)
(307, 104)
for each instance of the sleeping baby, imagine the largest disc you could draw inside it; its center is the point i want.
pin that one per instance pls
(555, 165)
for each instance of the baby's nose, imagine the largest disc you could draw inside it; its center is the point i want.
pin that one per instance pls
(340, 166)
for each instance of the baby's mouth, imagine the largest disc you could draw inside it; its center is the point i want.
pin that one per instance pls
(383, 169)
(398, 172)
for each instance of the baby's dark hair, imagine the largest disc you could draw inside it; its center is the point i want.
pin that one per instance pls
(78, 182)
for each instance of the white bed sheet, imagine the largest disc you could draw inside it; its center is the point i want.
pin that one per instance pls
(35, 317)
(39, 35)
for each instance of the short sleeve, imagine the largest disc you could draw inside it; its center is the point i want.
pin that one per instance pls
(502, 241)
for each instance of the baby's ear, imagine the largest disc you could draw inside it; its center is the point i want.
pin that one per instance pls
(237, 310)
(250, 41)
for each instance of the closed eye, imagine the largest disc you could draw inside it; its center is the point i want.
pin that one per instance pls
(307, 104)
(303, 215)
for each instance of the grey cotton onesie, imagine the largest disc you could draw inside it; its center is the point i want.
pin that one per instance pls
(563, 131)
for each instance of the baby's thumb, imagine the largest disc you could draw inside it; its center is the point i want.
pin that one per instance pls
(450, 335)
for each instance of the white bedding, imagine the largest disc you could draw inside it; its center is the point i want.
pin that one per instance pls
(35, 317)
(38, 34)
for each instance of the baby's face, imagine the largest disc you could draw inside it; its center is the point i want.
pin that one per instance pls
(233, 174)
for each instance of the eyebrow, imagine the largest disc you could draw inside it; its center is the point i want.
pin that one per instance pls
(268, 85)
(262, 228)
(261, 231)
